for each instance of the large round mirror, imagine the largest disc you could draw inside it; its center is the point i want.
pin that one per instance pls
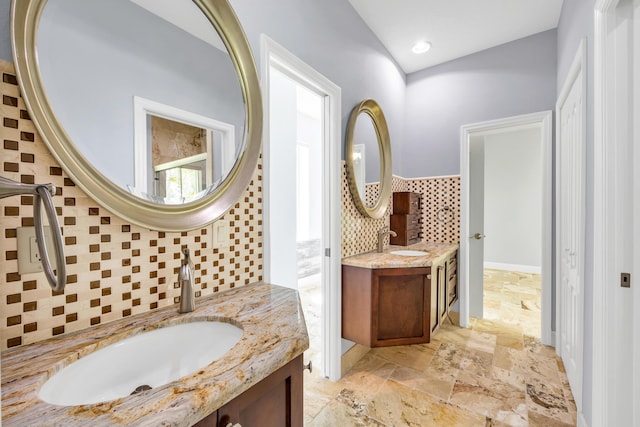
(153, 107)
(368, 159)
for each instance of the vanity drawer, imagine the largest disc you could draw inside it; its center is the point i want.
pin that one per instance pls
(405, 236)
(408, 222)
(406, 202)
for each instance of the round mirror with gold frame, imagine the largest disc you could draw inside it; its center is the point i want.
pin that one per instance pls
(368, 159)
(236, 123)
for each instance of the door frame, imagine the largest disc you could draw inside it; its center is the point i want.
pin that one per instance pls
(273, 54)
(544, 120)
(605, 240)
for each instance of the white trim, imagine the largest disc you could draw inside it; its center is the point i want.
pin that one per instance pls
(427, 177)
(143, 107)
(606, 315)
(518, 268)
(272, 54)
(599, 324)
(582, 421)
(544, 120)
(180, 162)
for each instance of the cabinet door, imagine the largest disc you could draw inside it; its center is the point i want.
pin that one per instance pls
(452, 280)
(434, 313)
(442, 293)
(400, 305)
(275, 401)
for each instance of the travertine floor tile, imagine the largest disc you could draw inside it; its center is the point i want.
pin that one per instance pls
(433, 382)
(548, 399)
(416, 357)
(339, 414)
(495, 373)
(396, 405)
(490, 397)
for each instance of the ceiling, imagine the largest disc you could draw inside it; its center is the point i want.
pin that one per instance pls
(455, 28)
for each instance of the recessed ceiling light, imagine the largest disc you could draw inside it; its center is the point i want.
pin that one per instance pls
(421, 47)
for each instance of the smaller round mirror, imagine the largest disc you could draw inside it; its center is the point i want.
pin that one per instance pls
(368, 159)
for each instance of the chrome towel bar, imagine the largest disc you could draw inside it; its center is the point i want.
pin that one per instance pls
(42, 194)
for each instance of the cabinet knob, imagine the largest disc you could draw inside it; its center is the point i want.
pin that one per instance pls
(233, 425)
(308, 366)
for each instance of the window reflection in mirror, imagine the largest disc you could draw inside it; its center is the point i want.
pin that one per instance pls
(366, 158)
(181, 160)
(172, 145)
(359, 166)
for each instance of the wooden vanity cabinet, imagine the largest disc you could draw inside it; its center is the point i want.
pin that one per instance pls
(406, 220)
(438, 311)
(384, 307)
(452, 279)
(444, 284)
(276, 401)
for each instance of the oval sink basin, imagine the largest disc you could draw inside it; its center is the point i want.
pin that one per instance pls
(408, 252)
(140, 362)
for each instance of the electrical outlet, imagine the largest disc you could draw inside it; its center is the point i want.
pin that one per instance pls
(28, 254)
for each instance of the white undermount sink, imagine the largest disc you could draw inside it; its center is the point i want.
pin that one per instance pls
(408, 252)
(143, 361)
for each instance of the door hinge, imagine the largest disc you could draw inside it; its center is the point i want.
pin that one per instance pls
(327, 252)
(625, 280)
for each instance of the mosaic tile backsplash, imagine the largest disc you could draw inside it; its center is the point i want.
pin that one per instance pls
(441, 212)
(115, 269)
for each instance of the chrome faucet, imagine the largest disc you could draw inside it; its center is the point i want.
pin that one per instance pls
(382, 233)
(185, 280)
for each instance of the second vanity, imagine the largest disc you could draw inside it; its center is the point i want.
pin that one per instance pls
(261, 376)
(391, 299)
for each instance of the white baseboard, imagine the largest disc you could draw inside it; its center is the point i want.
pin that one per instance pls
(535, 269)
(582, 422)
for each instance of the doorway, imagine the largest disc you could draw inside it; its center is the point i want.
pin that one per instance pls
(484, 144)
(302, 196)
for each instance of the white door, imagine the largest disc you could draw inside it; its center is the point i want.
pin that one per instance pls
(570, 227)
(476, 226)
(286, 210)
(281, 182)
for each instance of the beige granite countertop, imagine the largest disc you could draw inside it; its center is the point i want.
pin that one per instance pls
(437, 253)
(274, 333)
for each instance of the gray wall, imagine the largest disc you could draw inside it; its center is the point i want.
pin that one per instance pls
(332, 38)
(513, 198)
(507, 80)
(576, 23)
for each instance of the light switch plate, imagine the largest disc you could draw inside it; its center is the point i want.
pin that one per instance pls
(28, 255)
(220, 231)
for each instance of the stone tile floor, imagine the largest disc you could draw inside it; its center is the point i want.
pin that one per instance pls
(495, 373)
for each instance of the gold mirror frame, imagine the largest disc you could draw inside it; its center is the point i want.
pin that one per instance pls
(25, 17)
(373, 110)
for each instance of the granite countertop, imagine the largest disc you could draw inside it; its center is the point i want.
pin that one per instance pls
(438, 252)
(274, 333)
